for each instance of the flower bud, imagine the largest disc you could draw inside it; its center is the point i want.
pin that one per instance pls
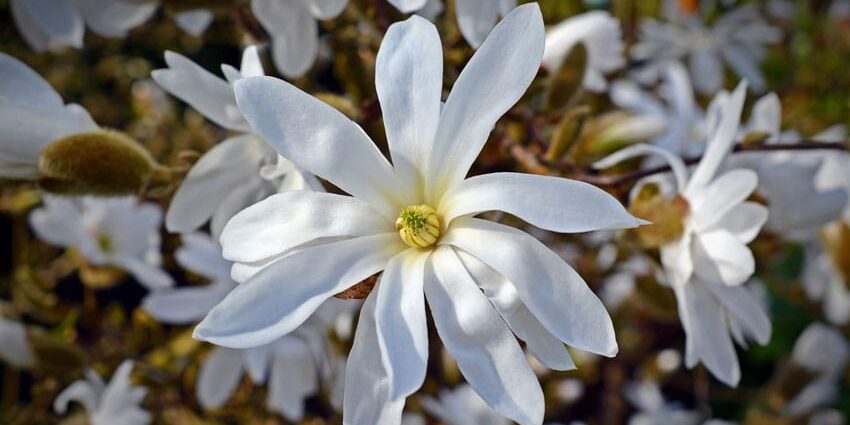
(565, 86)
(103, 162)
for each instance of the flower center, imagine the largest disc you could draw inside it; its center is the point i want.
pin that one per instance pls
(418, 226)
(105, 243)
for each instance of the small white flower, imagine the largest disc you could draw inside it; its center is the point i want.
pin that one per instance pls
(824, 351)
(461, 406)
(738, 37)
(475, 18)
(413, 220)
(237, 172)
(119, 402)
(707, 266)
(15, 349)
(294, 30)
(32, 115)
(293, 365)
(117, 232)
(600, 34)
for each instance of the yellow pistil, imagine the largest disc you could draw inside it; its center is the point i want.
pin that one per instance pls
(105, 243)
(418, 226)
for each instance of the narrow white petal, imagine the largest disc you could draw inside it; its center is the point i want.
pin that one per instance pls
(552, 290)
(475, 18)
(16, 347)
(677, 165)
(150, 275)
(321, 140)
(294, 33)
(80, 391)
(409, 82)
(745, 308)
(493, 80)
(402, 325)
(184, 306)
(201, 255)
(707, 71)
(721, 195)
(720, 257)
(49, 24)
(218, 377)
(325, 9)
(744, 221)
(407, 6)
(282, 296)
(194, 22)
(286, 220)
(485, 350)
(551, 203)
(293, 378)
(110, 18)
(677, 260)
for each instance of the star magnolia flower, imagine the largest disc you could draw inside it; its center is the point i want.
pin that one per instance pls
(600, 33)
(824, 352)
(707, 266)
(413, 220)
(294, 364)
(116, 232)
(116, 403)
(475, 18)
(15, 349)
(244, 168)
(32, 115)
(294, 30)
(737, 37)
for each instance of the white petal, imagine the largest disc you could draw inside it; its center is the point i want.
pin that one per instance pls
(745, 308)
(321, 140)
(367, 385)
(766, 115)
(22, 84)
(325, 9)
(294, 33)
(293, 378)
(677, 261)
(552, 290)
(485, 350)
(708, 339)
(721, 195)
(184, 306)
(48, 24)
(257, 361)
(201, 255)
(677, 165)
(409, 82)
(475, 18)
(721, 258)
(251, 65)
(110, 18)
(508, 60)
(149, 275)
(745, 64)
(210, 95)
(81, 392)
(402, 325)
(219, 376)
(58, 222)
(194, 22)
(707, 71)
(16, 347)
(407, 6)
(244, 195)
(120, 400)
(539, 341)
(744, 221)
(286, 220)
(282, 296)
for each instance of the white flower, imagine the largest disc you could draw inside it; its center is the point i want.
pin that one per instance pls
(32, 115)
(475, 18)
(293, 364)
(413, 220)
(600, 34)
(738, 37)
(294, 30)
(117, 232)
(823, 351)
(707, 266)
(824, 282)
(116, 403)
(240, 170)
(461, 406)
(54, 24)
(15, 349)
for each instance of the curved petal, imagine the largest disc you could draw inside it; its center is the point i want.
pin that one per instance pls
(194, 22)
(184, 306)
(744, 221)
(539, 341)
(210, 95)
(16, 347)
(485, 350)
(745, 65)
(677, 260)
(722, 195)
(23, 85)
(283, 295)
(408, 6)
(222, 170)
(110, 18)
(475, 19)
(409, 82)
(219, 376)
(120, 400)
(766, 115)
(48, 24)
(293, 378)
(677, 165)
(508, 60)
(58, 222)
(745, 308)
(294, 33)
(251, 65)
(552, 290)
(720, 257)
(551, 203)
(81, 392)
(402, 325)
(321, 140)
(707, 71)
(201, 255)
(149, 275)
(286, 220)
(367, 384)
(325, 9)
(257, 362)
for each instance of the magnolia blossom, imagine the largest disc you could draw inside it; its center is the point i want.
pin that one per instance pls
(413, 221)
(240, 170)
(824, 352)
(475, 18)
(32, 115)
(738, 37)
(15, 349)
(294, 30)
(461, 406)
(708, 264)
(600, 34)
(294, 365)
(117, 232)
(118, 402)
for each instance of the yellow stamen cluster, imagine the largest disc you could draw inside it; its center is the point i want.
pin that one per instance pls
(418, 226)
(105, 243)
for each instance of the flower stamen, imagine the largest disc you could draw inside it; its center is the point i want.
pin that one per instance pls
(418, 226)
